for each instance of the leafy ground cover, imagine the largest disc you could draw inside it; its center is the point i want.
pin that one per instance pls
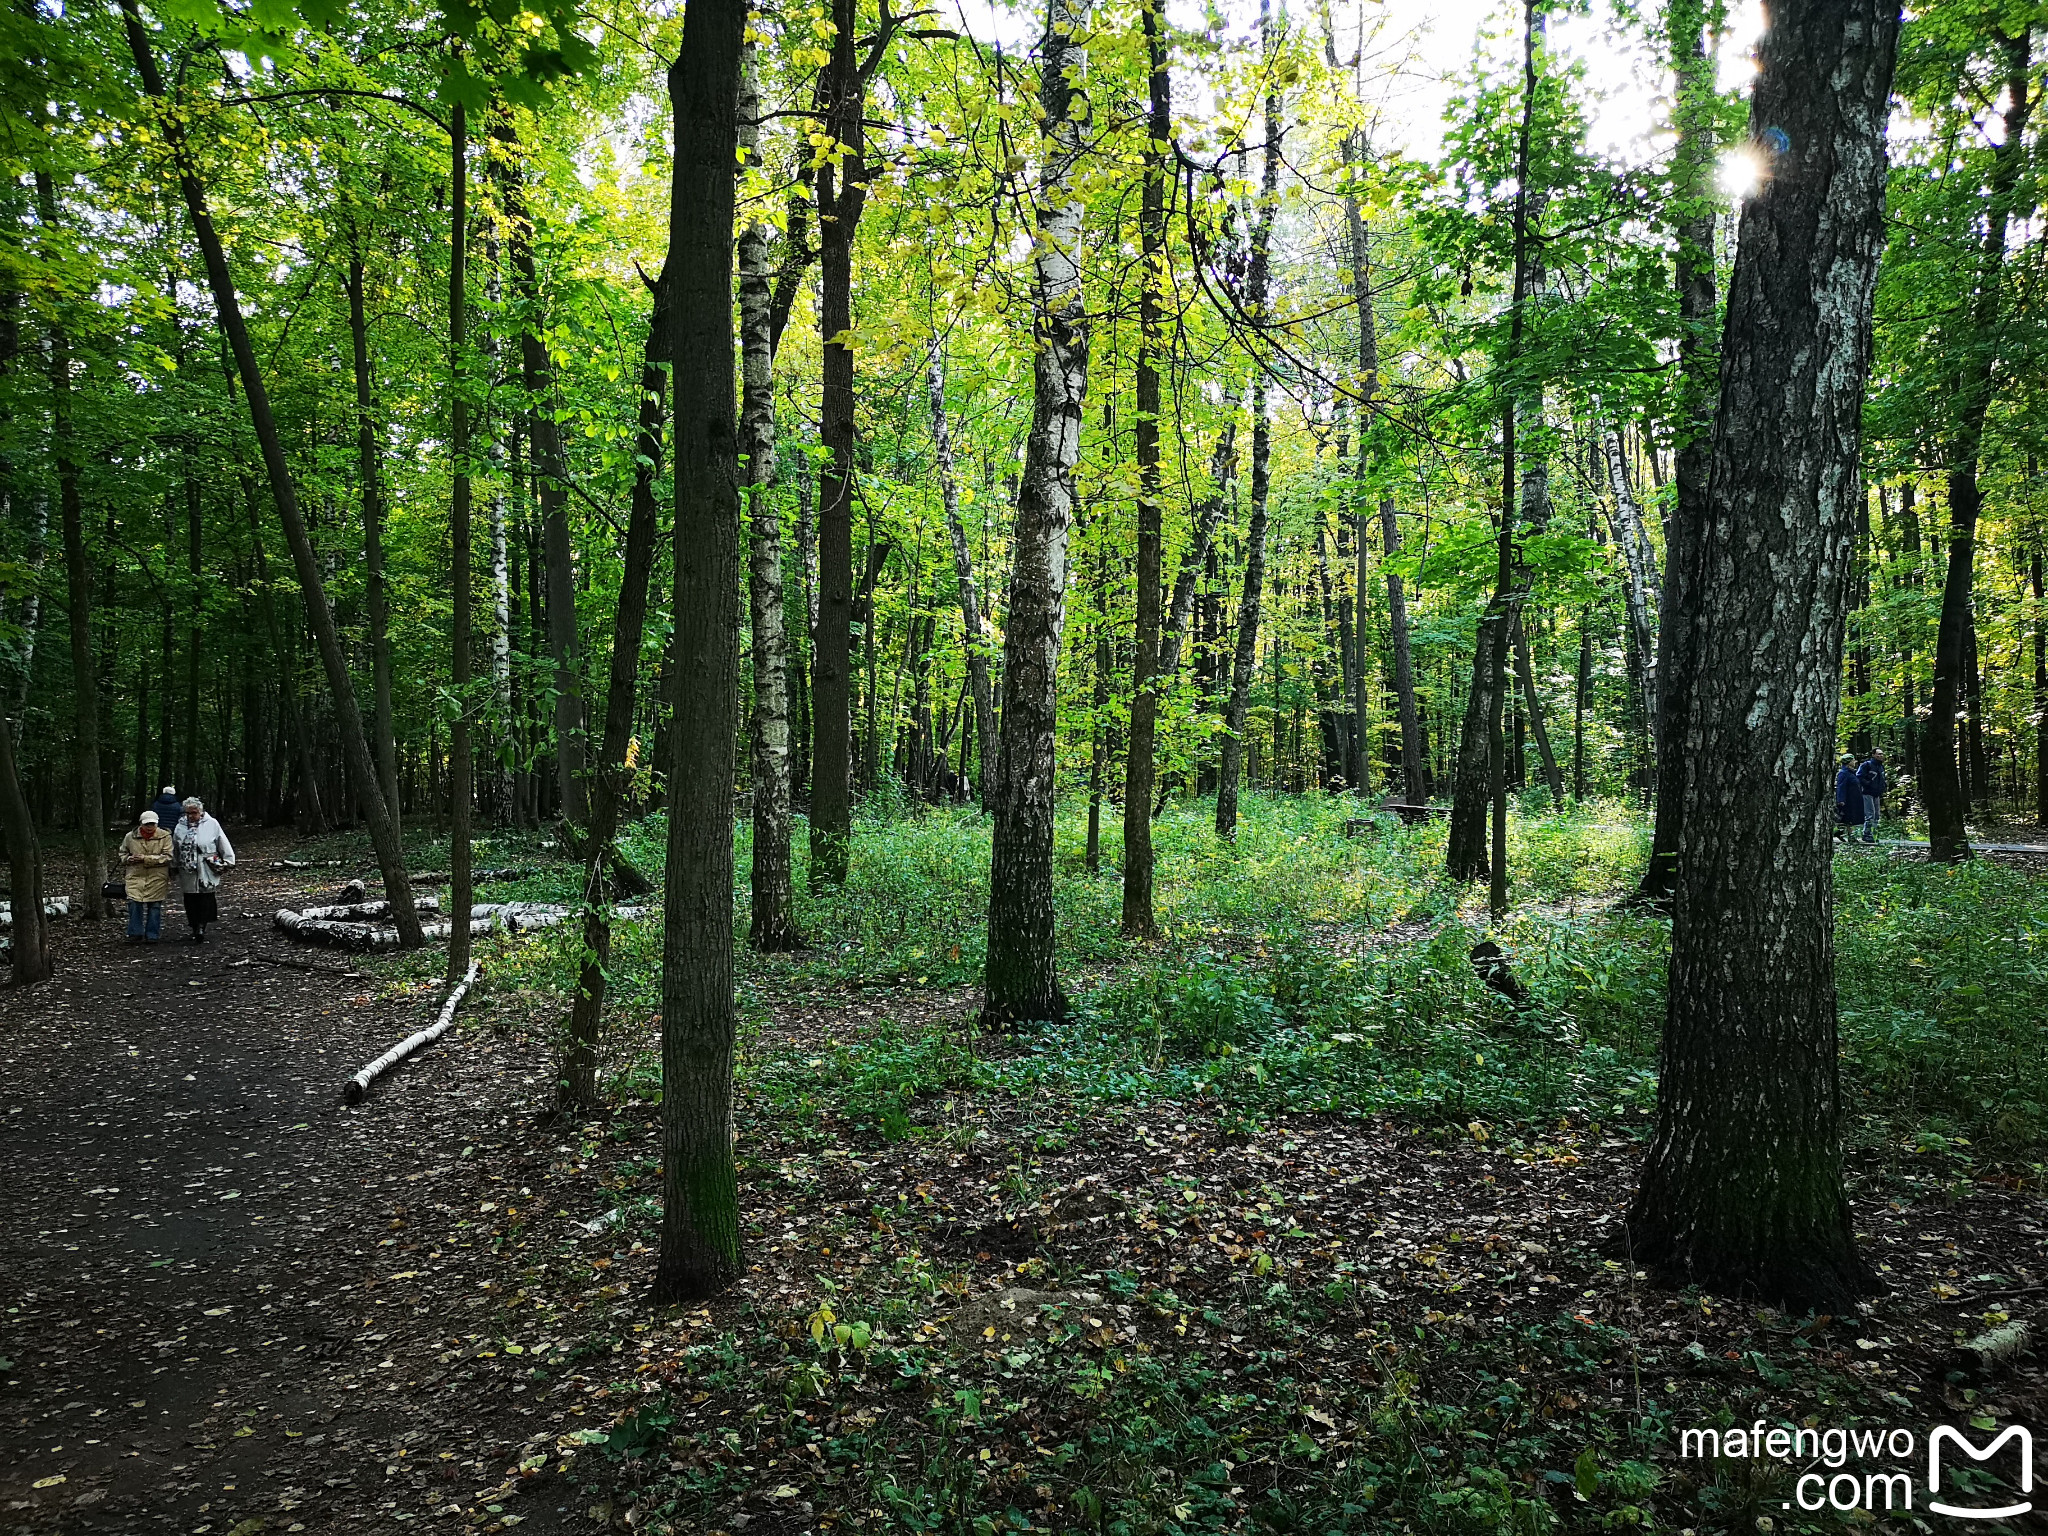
(1294, 1226)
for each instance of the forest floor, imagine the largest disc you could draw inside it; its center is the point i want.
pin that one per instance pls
(1050, 1282)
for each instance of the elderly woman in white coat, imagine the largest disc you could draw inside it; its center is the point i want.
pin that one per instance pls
(202, 851)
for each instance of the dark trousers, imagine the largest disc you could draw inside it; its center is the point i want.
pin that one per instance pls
(201, 908)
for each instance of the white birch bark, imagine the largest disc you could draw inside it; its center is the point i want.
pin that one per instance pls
(1022, 982)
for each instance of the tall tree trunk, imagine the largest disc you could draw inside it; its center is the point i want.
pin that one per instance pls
(1909, 713)
(773, 924)
(188, 755)
(1742, 1187)
(1641, 593)
(1415, 777)
(506, 747)
(1582, 692)
(622, 689)
(537, 375)
(85, 691)
(461, 786)
(1940, 781)
(1525, 673)
(370, 470)
(1258, 281)
(2034, 572)
(1098, 740)
(1695, 212)
(1244, 658)
(1414, 773)
(973, 636)
(700, 1231)
(1480, 783)
(1979, 791)
(1022, 981)
(30, 932)
(1138, 921)
(842, 195)
(348, 716)
(1201, 545)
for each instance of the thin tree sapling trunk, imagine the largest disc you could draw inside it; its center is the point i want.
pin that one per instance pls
(973, 636)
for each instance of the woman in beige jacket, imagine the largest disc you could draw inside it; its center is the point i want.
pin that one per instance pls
(146, 861)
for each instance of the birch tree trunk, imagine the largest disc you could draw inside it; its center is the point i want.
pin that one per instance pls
(772, 928)
(501, 577)
(974, 636)
(1742, 1188)
(348, 714)
(1022, 981)
(700, 1232)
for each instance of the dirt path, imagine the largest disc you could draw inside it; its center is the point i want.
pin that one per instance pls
(200, 1242)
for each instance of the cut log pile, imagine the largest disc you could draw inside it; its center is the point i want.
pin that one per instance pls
(362, 926)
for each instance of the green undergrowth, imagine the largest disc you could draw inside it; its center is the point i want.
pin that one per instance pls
(1307, 970)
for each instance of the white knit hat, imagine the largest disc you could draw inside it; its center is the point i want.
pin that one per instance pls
(170, 789)
(149, 819)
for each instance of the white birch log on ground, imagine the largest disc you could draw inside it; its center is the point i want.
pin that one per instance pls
(359, 1085)
(318, 925)
(53, 906)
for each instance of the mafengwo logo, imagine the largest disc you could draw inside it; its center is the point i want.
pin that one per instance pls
(1965, 1480)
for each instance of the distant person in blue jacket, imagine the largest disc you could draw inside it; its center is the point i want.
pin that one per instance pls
(170, 810)
(1848, 797)
(1870, 780)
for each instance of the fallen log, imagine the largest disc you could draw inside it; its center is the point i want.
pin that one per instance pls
(353, 1091)
(1991, 1352)
(315, 925)
(53, 906)
(307, 863)
(442, 876)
